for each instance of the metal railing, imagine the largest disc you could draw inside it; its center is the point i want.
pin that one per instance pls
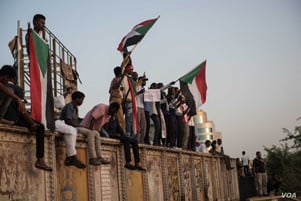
(63, 63)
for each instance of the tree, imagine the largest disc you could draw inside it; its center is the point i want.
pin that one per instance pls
(285, 160)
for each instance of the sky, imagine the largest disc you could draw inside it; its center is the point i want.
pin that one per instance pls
(252, 48)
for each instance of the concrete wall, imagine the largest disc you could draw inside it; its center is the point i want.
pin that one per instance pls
(172, 174)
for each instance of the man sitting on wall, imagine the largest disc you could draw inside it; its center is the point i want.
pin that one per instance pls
(7, 94)
(24, 120)
(104, 116)
(69, 125)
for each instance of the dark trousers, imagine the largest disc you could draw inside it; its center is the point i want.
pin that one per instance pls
(191, 140)
(246, 170)
(40, 131)
(157, 125)
(168, 129)
(5, 101)
(174, 127)
(127, 142)
(147, 119)
(180, 131)
(227, 161)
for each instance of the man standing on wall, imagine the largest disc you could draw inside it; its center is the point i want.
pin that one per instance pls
(245, 163)
(260, 174)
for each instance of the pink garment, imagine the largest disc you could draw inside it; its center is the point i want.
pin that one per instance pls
(100, 114)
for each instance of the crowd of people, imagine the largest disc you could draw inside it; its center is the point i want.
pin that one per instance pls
(127, 117)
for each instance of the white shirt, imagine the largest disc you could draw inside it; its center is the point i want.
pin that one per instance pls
(219, 148)
(245, 160)
(153, 109)
(202, 148)
(139, 98)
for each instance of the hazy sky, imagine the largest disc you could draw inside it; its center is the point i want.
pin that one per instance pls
(252, 48)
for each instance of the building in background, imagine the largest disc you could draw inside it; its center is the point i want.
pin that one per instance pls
(204, 129)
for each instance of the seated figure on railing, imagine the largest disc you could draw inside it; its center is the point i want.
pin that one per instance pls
(104, 116)
(69, 125)
(7, 94)
(23, 119)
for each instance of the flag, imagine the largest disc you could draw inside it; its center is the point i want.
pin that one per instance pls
(193, 86)
(40, 81)
(14, 45)
(15, 49)
(136, 34)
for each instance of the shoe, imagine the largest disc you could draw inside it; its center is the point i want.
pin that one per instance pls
(130, 167)
(94, 161)
(103, 161)
(140, 168)
(229, 168)
(5, 121)
(43, 166)
(72, 160)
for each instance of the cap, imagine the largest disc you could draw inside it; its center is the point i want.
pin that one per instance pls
(130, 67)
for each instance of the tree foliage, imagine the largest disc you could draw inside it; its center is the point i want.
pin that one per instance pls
(285, 160)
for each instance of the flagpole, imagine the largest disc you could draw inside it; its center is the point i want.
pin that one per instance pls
(126, 59)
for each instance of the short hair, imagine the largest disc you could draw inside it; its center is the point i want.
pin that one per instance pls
(117, 70)
(77, 94)
(160, 84)
(37, 17)
(257, 152)
(153, 85)
(243, 152)
(114, 105)
(9, 71)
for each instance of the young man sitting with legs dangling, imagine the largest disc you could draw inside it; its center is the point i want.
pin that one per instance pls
(103, 116)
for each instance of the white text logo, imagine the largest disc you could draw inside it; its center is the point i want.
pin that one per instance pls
(288, 195)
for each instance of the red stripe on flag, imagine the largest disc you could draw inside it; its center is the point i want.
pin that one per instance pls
(35, 82)
(135, 116)
(200, 80)
(147, 22)
(121, 44)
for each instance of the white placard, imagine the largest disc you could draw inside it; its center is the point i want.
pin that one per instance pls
(152, 95)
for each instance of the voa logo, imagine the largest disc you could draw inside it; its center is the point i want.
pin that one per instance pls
(288, 195)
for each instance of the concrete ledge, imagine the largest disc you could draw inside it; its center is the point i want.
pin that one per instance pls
(172, 174)
(265, 198)
(22, 130)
